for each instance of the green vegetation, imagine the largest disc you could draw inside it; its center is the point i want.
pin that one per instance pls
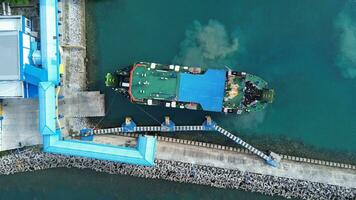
(17, 2)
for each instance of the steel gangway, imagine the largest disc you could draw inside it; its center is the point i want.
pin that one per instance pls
(147, 129)
(169, 126)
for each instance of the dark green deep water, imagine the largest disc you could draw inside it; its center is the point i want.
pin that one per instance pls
(75, 184)
(305, 49)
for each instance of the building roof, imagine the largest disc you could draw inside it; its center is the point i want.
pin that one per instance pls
(47, 100)
(10, 89)
(13, 23)
(206, 89)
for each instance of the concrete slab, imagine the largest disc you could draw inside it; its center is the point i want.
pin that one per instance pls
(20, 124)
(85, 104)
(242, 161)
(251, 163)
(115, 140)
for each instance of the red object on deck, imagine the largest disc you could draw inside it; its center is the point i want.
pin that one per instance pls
(130, 83)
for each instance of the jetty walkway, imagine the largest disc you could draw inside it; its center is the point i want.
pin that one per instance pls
(169, 126)
(213, 155)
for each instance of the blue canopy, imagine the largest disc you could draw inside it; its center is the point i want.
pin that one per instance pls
(206, 89)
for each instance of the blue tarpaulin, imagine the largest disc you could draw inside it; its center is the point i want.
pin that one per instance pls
(206, 89)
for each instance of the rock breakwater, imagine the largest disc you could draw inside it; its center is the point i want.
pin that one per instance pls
(32, 159)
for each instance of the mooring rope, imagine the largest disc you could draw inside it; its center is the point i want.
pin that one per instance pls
(148, 114)
(107, 112)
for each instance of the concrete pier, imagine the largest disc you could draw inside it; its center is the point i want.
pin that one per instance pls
(85, 104)
(20, 124)
(218, 156)
(78, 102)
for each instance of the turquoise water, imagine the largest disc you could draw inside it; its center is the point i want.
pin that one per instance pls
(304, 49)
(86, 184)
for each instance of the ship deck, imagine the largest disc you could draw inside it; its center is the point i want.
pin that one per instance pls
(259, 82)
(234, 94)
(157, 84)
(160, 82)
(234, 100)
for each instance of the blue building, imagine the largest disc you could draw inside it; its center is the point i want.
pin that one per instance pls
(29, 68)
(19, 53)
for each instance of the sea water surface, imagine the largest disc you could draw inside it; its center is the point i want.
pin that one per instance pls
(305, 49)
(79, 184)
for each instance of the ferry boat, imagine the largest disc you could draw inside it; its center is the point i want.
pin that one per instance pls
(194, 88)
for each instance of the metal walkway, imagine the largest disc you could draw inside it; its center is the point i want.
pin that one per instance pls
(242, 143)
(169, 126)
(147, 129)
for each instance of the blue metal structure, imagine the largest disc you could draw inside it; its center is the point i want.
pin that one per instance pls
(47, 79)
(47, 103)
(49, 39)
(168, 125)
(208, 125)
(86, 134)
(18, 75)
(206, 89)
(129, 125)
(1, 115)
(143, 154)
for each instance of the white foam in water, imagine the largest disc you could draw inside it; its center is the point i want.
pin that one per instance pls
(204, 43)
(346, 59)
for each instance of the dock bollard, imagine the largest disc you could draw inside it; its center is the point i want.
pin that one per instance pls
(168, 125)
(208, 124)
(129, 125)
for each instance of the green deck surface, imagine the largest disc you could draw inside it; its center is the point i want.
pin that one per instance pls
(157, 84)
(260, 83)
